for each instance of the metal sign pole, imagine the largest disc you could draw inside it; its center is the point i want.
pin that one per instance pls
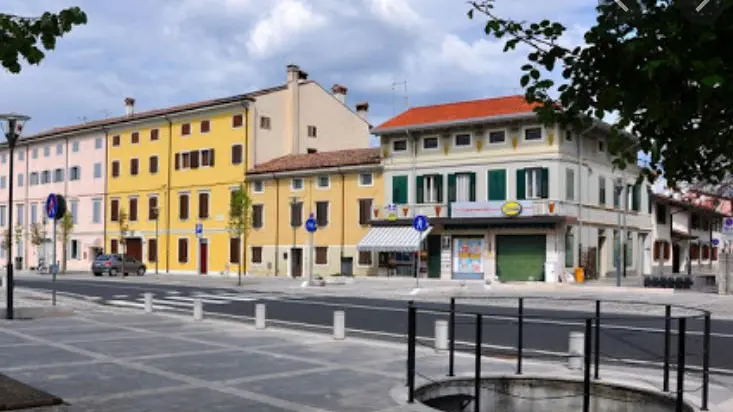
(53, 267)
(310, 263)
(417, 266)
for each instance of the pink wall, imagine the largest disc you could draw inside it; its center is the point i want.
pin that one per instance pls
(46, 155)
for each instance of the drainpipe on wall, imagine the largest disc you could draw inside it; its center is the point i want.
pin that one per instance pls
(171, 168)
(277, 226)
(581, 136)
(104, 195)
(413, 179)
(343, 214)
(245, 188)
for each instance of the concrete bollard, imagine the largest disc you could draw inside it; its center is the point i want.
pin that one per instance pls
(198, 309)
(148, 302)
(339, 325)
(260, 316)
(576, 349)
(441, 335)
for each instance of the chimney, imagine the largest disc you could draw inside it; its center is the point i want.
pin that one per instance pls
(339, 92)
(129, 106)
(362, 109)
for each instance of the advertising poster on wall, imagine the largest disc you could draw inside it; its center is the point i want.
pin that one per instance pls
(468, 258)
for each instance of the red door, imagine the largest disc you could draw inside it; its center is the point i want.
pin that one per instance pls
(203, 257)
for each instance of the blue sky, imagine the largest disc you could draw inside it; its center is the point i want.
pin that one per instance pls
(167, 52)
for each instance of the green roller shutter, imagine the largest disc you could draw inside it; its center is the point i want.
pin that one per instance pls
(420, 192)
(520, 257)
(544, 183)
(399, 190)
(636, 198)
(472, 187)
(521, 184)
(439, 187)
(497, 184)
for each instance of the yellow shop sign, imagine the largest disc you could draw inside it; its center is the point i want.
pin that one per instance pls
(511, 208)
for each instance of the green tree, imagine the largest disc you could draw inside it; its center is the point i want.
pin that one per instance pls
(240, 222)
(123, 227)
(25, 36)
(666, 77)
(64, 231)
(6, 241)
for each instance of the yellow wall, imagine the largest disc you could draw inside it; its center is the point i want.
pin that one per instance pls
(169, 183)
(276, 237)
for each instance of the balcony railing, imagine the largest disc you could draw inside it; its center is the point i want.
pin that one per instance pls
(489, 209)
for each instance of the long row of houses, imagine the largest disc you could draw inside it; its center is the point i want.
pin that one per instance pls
(506, 197)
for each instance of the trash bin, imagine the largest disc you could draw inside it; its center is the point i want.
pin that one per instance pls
(18, 263)
(579, 275)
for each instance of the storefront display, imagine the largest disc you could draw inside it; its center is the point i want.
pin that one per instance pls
(468, 258)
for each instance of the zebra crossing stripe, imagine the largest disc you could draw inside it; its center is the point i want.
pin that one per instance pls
(167, 302)
(138, 305)
(227, 296)
(190, 300)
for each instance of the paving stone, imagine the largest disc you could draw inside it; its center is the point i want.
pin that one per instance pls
(35, 355)
(143, 346)
(76, 381)
(8, 339)
(344, 353)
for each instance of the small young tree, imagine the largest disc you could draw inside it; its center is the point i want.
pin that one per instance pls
(6, 241)
(38, 236)
(124, 227)
(240, 220)
(65, 229)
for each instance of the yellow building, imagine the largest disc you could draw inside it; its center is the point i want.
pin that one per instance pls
(184, 161)
(338, 188)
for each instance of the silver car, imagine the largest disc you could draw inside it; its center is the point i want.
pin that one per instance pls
(117, 264)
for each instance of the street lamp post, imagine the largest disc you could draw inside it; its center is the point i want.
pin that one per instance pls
(12, 125)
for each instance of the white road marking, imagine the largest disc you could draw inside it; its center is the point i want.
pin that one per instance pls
(228, 297)
(167, 303)
(191, 299)
(120, 296)
(136, 304)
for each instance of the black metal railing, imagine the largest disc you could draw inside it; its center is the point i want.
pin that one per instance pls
(592, 344)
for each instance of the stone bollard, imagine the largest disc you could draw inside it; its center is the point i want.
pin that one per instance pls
(260, 316)
(441, 335)
(198, 309)
(148, 302)
(576, 350)
(339, 325)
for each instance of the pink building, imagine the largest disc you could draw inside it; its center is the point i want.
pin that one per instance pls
(71, 164)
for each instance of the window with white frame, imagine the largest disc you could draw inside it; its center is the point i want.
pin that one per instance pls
(3, 215)
(258, 186)
(296, 183)
(430, 189)
(46, 177)
(46, 151)
(324, 182)
(33, 179)
(429, 143)
(97, 170)
(533, 133)
(75, 212)
(98, 143)
(3, 182)
(462, 139)
(75, 146)
(59, 148)
(463, 188)
(74, 173)
(74, 249)
(34, 213)
(34, 153)
(533, 179)
(366, 179)
(399, 145)
(497, 136)
(96, 210)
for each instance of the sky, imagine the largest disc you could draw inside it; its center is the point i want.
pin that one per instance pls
(168, 52)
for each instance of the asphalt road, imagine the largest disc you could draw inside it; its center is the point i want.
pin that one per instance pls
(623, 337)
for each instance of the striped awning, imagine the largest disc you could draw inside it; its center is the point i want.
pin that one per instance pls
(392, 239)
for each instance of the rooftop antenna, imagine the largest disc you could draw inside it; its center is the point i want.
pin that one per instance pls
(394, 95)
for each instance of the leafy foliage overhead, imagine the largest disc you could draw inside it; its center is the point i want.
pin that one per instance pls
(667, 74)
(22, 36)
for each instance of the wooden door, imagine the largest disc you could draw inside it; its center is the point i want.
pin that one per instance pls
(203, 257)
(297, 262)
(134, 248)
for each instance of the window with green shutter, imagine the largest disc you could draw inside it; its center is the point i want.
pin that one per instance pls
(521, 184)
(533, 183)
(452, 190)
(569, 248)
(497, 184)
(636, 198)
(439, 186)
(544, 183)
(471, 187)
(399, 190)
(419, 189)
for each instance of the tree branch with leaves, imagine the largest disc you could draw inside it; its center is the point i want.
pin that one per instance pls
(65, 229)
(27, 37)
(123, 227)
(240, 223)
(666, 78)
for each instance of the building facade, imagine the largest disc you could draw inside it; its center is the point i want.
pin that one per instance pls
(687, 235)
(64, 161)
(338, 188)
(170, 171)
(507, 198)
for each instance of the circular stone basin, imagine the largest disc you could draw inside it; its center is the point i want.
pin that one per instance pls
(529, 393)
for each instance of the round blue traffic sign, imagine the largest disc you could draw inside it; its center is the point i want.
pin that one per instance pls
(716, 242)
(52, 206)
(311, 225)
(420, 223)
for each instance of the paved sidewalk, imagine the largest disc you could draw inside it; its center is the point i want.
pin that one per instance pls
(116, 359)
(544, 296)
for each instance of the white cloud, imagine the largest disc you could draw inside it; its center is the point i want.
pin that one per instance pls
(167, 52)
(285, 22)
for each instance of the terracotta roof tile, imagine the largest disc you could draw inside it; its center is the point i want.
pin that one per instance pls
(465, 110)
(319, 160)
(150, 114)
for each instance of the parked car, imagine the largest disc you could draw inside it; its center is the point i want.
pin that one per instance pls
(117, 264)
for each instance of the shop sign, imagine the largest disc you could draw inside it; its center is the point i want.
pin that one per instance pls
(492, 209)
(511, 208)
